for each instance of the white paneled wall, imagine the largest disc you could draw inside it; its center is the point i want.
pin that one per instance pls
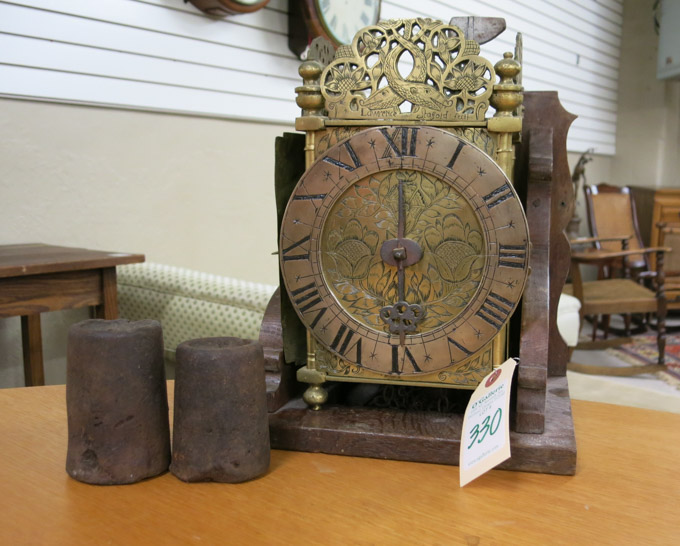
(166, 55)
(152, 54)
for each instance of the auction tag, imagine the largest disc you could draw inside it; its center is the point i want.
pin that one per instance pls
(485, 439)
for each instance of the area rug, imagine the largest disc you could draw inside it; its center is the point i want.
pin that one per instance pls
(643, 350)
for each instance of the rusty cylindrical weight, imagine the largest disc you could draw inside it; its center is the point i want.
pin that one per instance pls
(118, 428)
(220, 430)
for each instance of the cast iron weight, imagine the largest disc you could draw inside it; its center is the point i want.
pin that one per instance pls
(118, 429)
(221, 427)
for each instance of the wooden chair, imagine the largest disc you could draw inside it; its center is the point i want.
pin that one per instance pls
(611, 214)
(590, 244)
(619, 296)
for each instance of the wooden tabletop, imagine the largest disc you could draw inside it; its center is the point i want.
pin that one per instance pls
(38, 258)
(626, 491)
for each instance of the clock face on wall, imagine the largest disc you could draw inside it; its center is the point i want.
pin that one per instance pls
(336, 20)
(404, 249)
(343, 18)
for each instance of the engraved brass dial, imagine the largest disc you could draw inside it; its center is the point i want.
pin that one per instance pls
(404, 249)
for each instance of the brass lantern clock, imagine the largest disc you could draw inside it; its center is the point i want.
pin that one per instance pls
(404, 246)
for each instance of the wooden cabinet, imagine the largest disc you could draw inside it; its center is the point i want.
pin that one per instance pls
(655, 205)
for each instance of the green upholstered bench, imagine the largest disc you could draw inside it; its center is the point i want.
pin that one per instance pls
(190, 304)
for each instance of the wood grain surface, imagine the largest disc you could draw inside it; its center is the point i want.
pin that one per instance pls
(625, 492)
(29, 294)
(35, 258)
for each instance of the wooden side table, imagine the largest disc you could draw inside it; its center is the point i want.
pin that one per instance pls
(35, 278)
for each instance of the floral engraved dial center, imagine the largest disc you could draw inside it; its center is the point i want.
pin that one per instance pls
(402, 236)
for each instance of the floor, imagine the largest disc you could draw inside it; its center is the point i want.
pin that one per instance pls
(642, 391)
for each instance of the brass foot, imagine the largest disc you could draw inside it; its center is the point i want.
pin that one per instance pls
(315, 396)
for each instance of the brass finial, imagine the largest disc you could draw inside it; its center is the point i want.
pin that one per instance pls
(309, 96)
(507, 95)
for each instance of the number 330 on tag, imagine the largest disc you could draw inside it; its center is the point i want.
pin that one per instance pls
(485, 438)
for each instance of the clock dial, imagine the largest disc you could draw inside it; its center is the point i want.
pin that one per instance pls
(404, 249)
(343, 18)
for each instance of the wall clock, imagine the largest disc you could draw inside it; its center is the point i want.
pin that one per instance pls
(335, 20)
(404, 247)
(223, 8)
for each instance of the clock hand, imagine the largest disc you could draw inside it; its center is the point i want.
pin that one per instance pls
(400, 252)
(401, 317)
